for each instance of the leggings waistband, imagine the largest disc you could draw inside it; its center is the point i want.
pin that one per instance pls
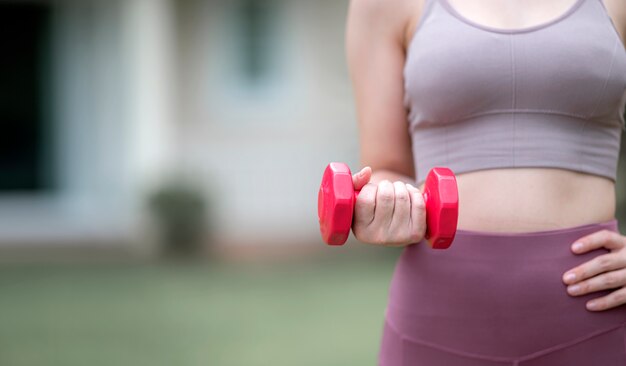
(485, 244)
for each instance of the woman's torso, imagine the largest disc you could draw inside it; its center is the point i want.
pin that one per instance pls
(528, 199)
(532, 199)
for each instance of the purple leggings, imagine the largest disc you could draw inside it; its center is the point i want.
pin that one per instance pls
(498, 299)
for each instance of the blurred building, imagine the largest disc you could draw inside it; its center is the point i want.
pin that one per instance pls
(104, 100)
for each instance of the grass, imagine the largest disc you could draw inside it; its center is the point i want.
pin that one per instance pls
(322, 313)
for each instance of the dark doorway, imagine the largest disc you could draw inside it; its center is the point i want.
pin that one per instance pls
(25, 134)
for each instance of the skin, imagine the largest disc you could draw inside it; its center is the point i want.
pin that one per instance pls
(390, 211)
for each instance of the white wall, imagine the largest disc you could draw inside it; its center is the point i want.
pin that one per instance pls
(150, 88)
(261, 150)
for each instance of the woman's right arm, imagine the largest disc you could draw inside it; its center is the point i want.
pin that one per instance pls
(389, 210)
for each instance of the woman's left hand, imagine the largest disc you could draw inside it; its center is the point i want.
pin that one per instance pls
(606, 271)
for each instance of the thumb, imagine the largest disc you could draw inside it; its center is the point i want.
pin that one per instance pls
(361, 178)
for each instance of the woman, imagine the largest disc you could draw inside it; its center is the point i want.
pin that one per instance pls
(524, 101)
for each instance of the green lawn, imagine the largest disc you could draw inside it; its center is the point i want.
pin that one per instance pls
(323, 313)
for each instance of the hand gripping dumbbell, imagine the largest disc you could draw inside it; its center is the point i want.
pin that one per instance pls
(337, 196)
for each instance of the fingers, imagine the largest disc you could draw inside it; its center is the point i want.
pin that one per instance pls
(365, 207)
(605, 281)
(615, 298)
(389, 214)
(602, 263)
(604, 272)
(600, 239)
(418, 214)
(401, 216)
(361, 178)
(385, 201)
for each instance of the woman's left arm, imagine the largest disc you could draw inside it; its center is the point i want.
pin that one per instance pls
(606, 271)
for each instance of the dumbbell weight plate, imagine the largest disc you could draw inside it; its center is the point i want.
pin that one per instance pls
(442, 207)
(335, 203)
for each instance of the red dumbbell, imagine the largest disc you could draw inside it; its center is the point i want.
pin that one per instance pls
(336, 198)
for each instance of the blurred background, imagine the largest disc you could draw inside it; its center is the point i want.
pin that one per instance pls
(159, 168)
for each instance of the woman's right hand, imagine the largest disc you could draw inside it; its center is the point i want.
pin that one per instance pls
(388, 214)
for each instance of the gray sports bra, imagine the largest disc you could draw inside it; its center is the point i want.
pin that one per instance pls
(549, 95)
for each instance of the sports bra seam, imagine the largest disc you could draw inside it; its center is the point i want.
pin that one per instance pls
(521, 111)
(581, 138)
(608, 77)
(514, 96)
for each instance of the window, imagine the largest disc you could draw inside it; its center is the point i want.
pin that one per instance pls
(257, 19)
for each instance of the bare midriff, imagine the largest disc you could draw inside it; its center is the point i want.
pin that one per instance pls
(532, 199)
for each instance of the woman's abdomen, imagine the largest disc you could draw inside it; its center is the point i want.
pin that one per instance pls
(532, 199)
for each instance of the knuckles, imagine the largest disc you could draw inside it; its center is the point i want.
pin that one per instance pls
(385, 195)
(419, 201)
(366, 200)
(402, 197)
(604, 263)
(417, 234)
(612, 280)
(620, 297)
(605, 235)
